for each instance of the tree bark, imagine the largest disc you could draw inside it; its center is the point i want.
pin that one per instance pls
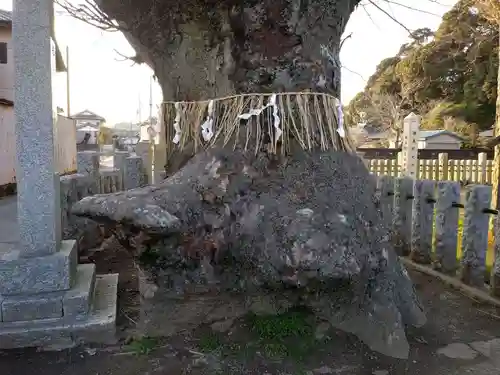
(202, 49)
(496, 162)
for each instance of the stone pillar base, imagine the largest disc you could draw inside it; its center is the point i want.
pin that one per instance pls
(53, 302)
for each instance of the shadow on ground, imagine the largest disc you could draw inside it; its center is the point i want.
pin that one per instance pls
(292, 344)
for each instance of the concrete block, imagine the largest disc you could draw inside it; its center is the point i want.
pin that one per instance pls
(99, 327)
(31, 307)
(76, 302)
(50, 273)
(35, 334)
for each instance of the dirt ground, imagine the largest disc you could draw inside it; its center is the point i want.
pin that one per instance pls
(287, 345)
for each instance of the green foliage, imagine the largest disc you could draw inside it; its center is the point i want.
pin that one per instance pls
(142, 346)
(449, 73)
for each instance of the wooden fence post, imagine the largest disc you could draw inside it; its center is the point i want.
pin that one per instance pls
(452, 176)
(470, 171)
(403, 196)
(482, 160)
(422, 220)
(475, 235)
(447, 226)
(435, 169)
(443, 167)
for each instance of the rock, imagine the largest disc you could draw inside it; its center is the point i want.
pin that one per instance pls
(323, 370)
(490, 348)
(222, 326)
(458, 351)
(321, 330)
(232, 228)
(380, 372)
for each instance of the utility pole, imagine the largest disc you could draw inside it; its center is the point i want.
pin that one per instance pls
(68, 91)
(150, 98)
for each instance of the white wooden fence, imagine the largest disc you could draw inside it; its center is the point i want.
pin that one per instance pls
(465, 171)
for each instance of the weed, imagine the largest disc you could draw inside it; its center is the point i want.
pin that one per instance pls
(142, 346)
(285, 335)
(210, 342)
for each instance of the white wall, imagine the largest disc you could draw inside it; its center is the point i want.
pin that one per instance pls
(444, 141)
(65, 139)
(7, 70)
(7, 146)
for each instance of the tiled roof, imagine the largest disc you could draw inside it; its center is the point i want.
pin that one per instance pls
(5, 15)
(425, 134)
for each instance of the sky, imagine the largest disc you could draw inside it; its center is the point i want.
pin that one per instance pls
(120, 92)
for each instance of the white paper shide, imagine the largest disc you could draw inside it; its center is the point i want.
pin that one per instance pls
(177, 126)
(207, 131)
(257, 112)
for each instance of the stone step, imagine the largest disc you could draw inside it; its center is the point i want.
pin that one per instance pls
(74, 303)
(99, 326)
(42, 274)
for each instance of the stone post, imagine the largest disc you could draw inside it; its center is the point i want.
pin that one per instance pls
(134, 175)
(143, 149)
(39, 215)
(410, 148)
(448, 197)
(475, 235)
(386, 191)
(46, 298)
(495, 272)
(403, 196)
(119, 158)
(88, 163)
(422, 220)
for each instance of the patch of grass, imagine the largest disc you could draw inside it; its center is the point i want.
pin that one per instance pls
(210, 342)
(286, 335)
(143, 346)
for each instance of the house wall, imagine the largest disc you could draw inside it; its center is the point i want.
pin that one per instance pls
(7, 70)
(7, 146)
(7, 119)
(444, 142)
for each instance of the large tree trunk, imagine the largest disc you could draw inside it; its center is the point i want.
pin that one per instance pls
(203, 49)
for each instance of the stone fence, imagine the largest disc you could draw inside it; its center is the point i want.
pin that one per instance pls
(128, 172)
(433, 229)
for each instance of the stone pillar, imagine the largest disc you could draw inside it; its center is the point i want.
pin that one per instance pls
(88, 164)
(133, 173)
(143, 149)
(37, 184)
(46, 298)
(475, 235)
(447, 226)
(422, 220)
(119, 158)
(403, 197)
